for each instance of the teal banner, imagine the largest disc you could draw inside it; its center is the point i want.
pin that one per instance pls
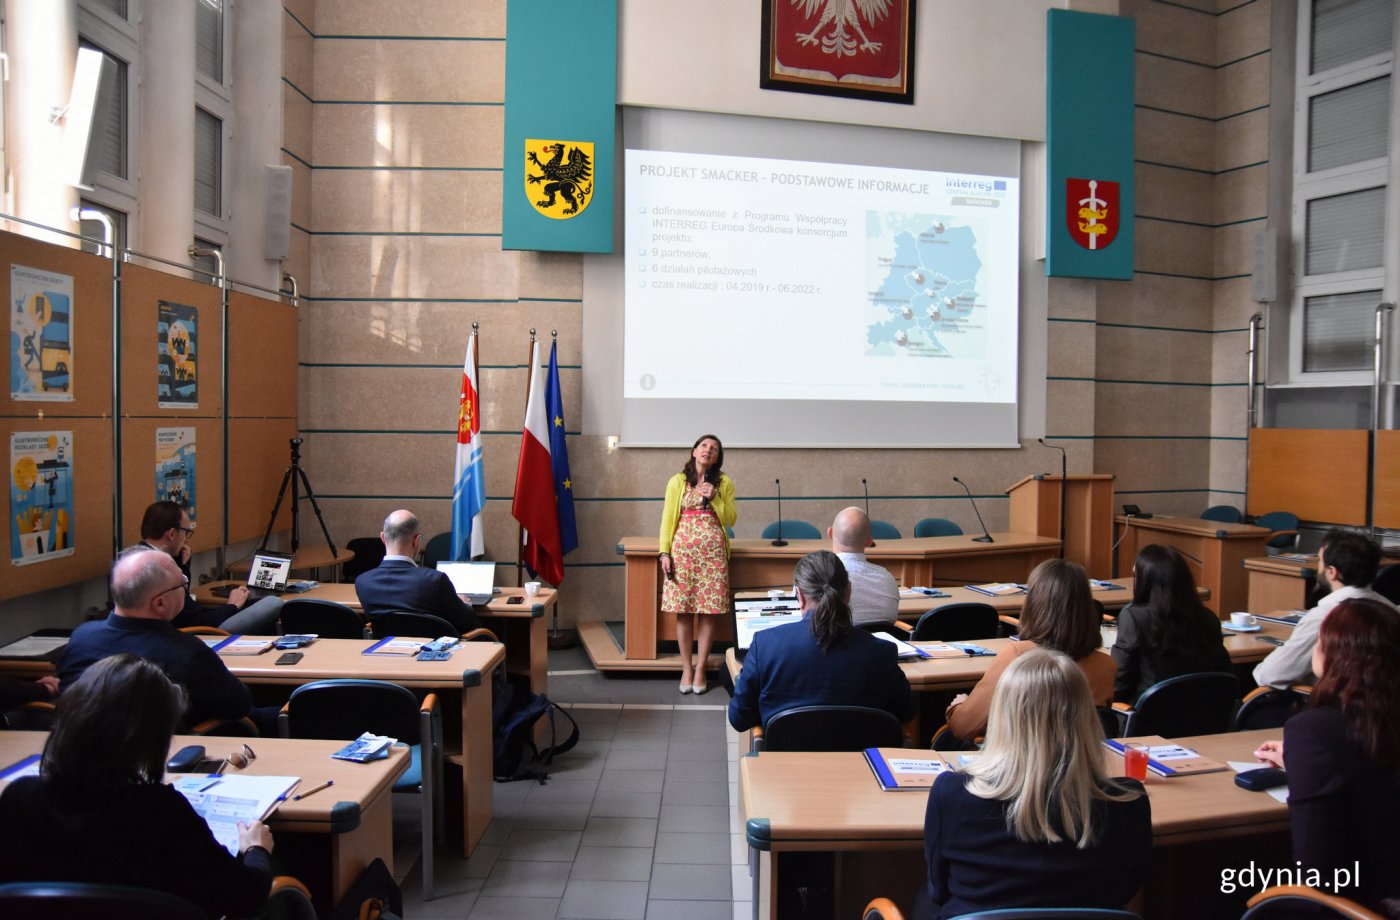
(561, 100)
(1089, 146)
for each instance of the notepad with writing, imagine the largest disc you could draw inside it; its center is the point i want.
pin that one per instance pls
(900, 770)
(1283, 619)
(224, 800)
(238, 645)
(997, 588)
(1165, 758)
(907, 652)
(394, 645)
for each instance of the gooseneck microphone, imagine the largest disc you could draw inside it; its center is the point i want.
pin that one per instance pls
(866, 487)
(780, 541)
(1064, 489)
(986, 535)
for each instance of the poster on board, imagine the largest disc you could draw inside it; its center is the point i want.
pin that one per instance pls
(177, 377)
(175, 468)
(41, 335)
(41, 496)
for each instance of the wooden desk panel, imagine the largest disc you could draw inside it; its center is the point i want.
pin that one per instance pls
(1215, 551)
(1280, 465)
(326, 839)
(1277, 585)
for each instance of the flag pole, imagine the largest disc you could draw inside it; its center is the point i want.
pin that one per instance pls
(557, 639)
(520, 528)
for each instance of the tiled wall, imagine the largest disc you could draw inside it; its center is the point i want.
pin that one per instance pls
(393, 126)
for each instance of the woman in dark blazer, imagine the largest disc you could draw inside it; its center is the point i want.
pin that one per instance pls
(822, 661)
(1034, 821)
(1343, 757)
(1166, 631)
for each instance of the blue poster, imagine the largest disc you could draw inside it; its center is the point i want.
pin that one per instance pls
(177, 382)
(175, 468)
(41, 496)
(41, 335)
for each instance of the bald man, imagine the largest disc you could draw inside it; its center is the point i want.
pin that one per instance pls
(874, 593)
(399, 584)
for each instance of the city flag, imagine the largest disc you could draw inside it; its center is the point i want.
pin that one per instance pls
(469, 488)
(559, 456)
(534, 505)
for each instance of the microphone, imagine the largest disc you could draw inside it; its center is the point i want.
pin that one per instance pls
(867, 502)
(780, 541)
(1064, 488)
(986, 535)
(713, 480)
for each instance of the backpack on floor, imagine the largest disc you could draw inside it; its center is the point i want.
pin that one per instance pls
(514, 713)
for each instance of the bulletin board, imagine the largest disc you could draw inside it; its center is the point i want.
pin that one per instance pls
(1319, 475)
(139, 476)
(257, 458)
(143, 291)
(1386, 502)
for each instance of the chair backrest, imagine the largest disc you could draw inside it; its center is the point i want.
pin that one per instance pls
(958, 623)
(1285, 902)
(792, 530)
(347, 708)
(417, 625)
(439, 549)
(884, 530)
(327, 619)
(1192, 704)
(1387, 583)
(1051, 913)
(937, 527)
(84, 900)
(1269, 707)
(831, 728)
(1226, 514)
(1285, 527)
(369, 552)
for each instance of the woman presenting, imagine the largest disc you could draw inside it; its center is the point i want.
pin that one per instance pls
(695, 554)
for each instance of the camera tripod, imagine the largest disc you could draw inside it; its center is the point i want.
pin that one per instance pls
(295, 476)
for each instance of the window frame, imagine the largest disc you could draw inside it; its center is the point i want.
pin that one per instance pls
(118, 39)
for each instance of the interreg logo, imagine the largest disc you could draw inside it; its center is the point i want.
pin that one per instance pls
(972, 185)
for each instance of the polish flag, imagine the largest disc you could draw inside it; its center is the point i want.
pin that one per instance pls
(534, 505)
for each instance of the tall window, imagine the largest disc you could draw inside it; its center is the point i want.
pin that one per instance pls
(208, 163)
(209, 39)
(109, 26)
(109, 129)
(1342, 145)
(93, 229)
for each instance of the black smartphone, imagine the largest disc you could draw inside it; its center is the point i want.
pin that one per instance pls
(290, 658)
(1269, 639)
(516, 599)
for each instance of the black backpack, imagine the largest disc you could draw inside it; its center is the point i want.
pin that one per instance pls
(514, 713)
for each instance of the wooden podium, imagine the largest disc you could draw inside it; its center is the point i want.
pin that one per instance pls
(1035, 508)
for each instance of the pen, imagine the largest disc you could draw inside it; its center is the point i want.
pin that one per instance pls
(211, 784)
(312, 791)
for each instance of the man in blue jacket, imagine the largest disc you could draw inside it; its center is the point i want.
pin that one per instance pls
(400, 584)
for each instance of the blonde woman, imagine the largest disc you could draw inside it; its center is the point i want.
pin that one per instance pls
(1035, 821)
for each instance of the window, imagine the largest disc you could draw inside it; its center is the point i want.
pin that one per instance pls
(109, 129)
(206, 264)
(94, 229)
(209, 39)
(115, 7)
(208, 163)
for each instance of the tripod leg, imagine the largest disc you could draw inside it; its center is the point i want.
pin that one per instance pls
(276, 506)
(317, 508)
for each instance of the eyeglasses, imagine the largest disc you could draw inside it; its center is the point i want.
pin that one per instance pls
(187, 531)
(183, 584)
(237, 759)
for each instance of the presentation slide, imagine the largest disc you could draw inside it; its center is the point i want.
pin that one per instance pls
(773, 279)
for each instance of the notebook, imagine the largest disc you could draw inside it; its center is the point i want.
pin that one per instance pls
(475, 581)
(268, 576)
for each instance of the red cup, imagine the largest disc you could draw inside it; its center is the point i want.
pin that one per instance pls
(1135, 760)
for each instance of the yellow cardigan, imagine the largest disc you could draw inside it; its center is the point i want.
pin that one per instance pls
(722, 505)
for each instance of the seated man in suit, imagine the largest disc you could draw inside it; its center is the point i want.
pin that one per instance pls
(148, 590)
(399, 584)
(167, 527)
(874, 592)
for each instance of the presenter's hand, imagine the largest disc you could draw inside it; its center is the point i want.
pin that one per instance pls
(238, 596)
(256, 834)
(666, 566)
(707, 490)
(1271, 752)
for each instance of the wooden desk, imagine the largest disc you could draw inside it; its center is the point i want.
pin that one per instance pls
(1215, 551)
(928, 561)
(327, 839)
(463, 684)
(795, 805)
(1275, 584)
(306, 559)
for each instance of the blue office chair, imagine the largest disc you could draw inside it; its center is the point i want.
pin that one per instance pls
(439, 549)
(884, 530)
(937, 527)
(369, 552)
(327, 619)
(830, 728)
(958, 623)
(1269, 707)
(1284, 525)
(1226, 514)
(792, 530)
(1178, 707)
(405, 623)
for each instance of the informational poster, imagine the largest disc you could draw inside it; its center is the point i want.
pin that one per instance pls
(177, 382)
(175, 468)
(41, 496)
(41, 335)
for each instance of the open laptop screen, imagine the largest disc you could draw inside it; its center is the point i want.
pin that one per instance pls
(476, 579)
(269, 571)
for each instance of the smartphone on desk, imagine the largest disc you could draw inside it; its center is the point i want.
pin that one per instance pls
(290, 658)
(516, 599)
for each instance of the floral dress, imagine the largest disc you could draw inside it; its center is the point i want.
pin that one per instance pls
(699, 560)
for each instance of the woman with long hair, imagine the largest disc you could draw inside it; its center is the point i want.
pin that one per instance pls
(695, 554)
(1035, 821)
(1059, 614)
(1166, 631)
(1342, 756)
(99, 812)
(821, 661)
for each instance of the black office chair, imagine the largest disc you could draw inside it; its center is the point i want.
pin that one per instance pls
(831, 728)
(83, 901)
(1192, 704)
(369, 552)
(884, 530)
(417, 625)
(1267, 707)
(1387, 583)
(1287, 902)
(937, 527)
(439, 549)
(792, 530)
(1225, 514)
(958, 623)
(327, 619)
(345, 709)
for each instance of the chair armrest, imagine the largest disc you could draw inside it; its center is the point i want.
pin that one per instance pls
(46, 706)
(205, 631)
(429, 704)
(284, 721)
(1343, 907)
(755, 739)
(282, 882)
(882, 909)
(904, 626)
(1122, 707)
(480, 634)
(210, 726)
(1301, 688)
(1253, 693)
(1009, 620)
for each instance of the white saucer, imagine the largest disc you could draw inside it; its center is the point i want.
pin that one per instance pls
(1255, 628)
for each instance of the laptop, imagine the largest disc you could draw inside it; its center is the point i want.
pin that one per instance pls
(268, 575)
(475, 581)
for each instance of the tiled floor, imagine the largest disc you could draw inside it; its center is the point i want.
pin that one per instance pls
(640, 821)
